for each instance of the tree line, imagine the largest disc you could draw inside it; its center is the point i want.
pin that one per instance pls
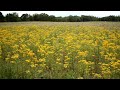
(14, 17)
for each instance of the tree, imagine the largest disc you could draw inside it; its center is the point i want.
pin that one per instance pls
(60, 19)
(43, 17)
(24, 17)
(31, 18)
(1, 17)
(12, 17)
(71, 18)
(51, 18)
(36, 17)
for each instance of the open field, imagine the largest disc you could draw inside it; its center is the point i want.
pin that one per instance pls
(60, 50)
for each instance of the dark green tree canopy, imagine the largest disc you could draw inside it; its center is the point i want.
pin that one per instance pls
(13, 17)
(25, 17)
(1, 17)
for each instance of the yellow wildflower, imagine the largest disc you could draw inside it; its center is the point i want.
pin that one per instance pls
(66, 65)
(27, 71)
(15, 56)
(27, 60)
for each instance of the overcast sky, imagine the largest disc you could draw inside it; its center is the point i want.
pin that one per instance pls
(67, 13)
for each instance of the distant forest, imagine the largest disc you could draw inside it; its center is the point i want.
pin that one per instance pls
(14, 17)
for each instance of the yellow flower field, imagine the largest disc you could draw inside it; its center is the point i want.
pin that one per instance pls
(53, 50)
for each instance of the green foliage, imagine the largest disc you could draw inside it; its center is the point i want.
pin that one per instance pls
(25, 17)
(1, 17)
(13, 17)
(65, 50)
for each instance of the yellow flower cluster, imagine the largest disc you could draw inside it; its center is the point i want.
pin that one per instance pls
(41, 48)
